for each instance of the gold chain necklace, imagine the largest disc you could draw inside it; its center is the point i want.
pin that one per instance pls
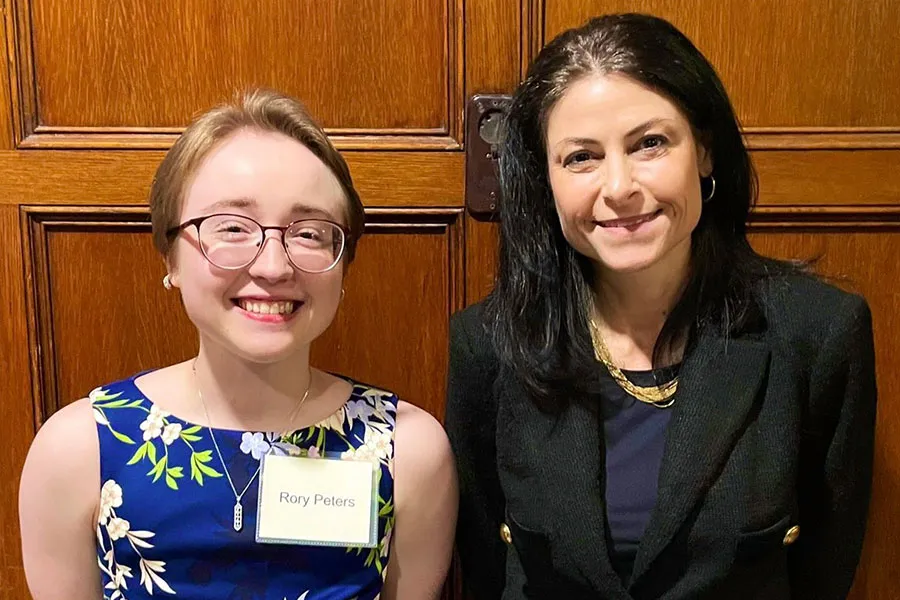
(660, 396)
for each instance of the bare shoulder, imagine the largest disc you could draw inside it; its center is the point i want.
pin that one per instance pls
(420, 432)
(63, 462)
(421, 448)
(66, 450)
(426, 499)
(59, 499)
(68, 439)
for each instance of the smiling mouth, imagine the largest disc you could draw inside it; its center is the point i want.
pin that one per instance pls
(630, 222)
(264, 307)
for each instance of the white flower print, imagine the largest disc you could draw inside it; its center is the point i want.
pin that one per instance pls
(149, 576)
(117, 528)
(361, 453)
(170, 433)
(382, 406)
(254, 444)
(100, 417)
(376, 394)
(379, 443)
(387, 412)
(119, 578)
(110, 498)
(153, 424)
(313, 452)
(335, 421)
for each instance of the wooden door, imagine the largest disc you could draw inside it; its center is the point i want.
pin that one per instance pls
(95, 91)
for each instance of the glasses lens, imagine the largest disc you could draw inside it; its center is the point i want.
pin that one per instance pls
(230, 241)
(314, 246)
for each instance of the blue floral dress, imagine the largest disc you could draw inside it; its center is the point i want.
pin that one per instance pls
(165, 524)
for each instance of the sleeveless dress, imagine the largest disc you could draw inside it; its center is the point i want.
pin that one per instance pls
(165, 526)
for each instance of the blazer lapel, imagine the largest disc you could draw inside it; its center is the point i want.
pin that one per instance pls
(718, 384)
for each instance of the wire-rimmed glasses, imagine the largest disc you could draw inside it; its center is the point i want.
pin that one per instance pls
(233, 242)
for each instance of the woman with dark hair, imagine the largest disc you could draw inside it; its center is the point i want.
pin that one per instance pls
(644, 407)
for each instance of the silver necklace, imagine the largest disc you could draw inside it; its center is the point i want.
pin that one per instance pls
(238, 514)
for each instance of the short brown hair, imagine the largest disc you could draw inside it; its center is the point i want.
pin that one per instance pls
(259, 109)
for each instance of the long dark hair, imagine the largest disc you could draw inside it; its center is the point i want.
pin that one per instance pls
(538, 312)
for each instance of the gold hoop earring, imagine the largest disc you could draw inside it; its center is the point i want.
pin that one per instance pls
(167, 282)
(342, 293)
(712, 192)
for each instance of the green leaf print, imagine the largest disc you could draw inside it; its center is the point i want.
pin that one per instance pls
(172, 474)
(162, 432)
(103, 396)
(146, 450)
(208, 471)
(199, 469)
(139, 454)
(196, 474)
(113, 404)
(121, 436)
(158, 469)
(190, 434)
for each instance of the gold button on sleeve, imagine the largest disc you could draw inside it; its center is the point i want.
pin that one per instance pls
(792, 534)
(505, 535)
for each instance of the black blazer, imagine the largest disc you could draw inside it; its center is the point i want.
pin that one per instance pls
(770, 431)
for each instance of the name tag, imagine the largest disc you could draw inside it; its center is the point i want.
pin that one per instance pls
(317, 501)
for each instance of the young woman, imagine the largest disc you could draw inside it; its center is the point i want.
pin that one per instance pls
(244, 472)
(644, 407)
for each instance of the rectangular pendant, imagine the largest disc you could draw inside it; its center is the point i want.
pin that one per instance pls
(238, 516)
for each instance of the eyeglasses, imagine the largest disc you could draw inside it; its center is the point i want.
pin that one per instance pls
(235, 241)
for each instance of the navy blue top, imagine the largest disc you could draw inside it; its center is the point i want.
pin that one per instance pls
(635, 436)
(166, 522)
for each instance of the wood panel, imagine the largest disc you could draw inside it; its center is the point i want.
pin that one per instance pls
(349, 60)
(73, 177)
(786, 177)
(861, 259)
(831, 177)
(16, 410)
(493, 52)
(822, 64)
(7, 138)
(100, 312)
(392, 328)
(481, 258)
